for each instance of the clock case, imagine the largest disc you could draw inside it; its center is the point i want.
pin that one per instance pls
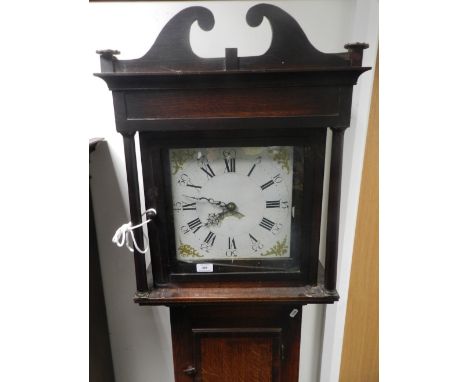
(291, 95)
(155, 161)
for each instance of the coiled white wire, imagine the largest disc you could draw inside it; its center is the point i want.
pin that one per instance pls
(125, 232)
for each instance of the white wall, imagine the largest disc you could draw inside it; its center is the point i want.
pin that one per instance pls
(140, 336)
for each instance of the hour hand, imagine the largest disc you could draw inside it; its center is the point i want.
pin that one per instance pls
(235, 214)
(216, 219)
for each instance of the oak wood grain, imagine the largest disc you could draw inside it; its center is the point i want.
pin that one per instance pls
(360, 355)
(236, 343)
(243, 292)
(222, 358)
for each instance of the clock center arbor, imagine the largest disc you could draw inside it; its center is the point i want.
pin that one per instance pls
(233, 161)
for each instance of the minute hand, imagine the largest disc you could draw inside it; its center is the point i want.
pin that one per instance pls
(209, 200)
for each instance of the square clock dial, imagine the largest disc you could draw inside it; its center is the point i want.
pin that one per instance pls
(232, 203)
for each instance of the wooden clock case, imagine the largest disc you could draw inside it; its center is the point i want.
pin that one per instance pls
(237, 326)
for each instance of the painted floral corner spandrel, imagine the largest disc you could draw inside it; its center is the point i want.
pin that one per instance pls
(281, 156)
(279, 249)
(179, 157)
(186, 250)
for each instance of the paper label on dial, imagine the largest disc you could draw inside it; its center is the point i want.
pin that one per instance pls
(205, 267)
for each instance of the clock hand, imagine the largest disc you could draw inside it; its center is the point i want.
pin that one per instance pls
(216, 219)
(236, 214)
(229, 209)
(209, 200)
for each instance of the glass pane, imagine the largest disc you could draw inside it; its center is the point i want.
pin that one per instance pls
(233, 204)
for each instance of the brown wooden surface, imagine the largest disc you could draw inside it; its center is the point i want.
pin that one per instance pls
(221, 356)
(360, 356)
(233, 326)
(242, 101)
(293, 91)
(244, 292)
(333, 219)
(219, 103)
(289, 48)
(302, 265)
(212, 293)
(236, 343)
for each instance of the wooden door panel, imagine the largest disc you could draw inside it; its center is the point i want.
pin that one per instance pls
(236, 360)
(236, 343)
(237, 356)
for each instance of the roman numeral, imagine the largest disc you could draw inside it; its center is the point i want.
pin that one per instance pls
(277, 178)
(258, 160)
(230, 164)
(256, 245)
(267, 184)
(189, 206)
(231, 243)
(195, 225)
(208, 170)
(267, 224)
(210, 238)
(192, 185)
(250, 172)
(272, 204)
(253, 238)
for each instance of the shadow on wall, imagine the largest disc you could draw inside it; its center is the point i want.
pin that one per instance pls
(139, 336)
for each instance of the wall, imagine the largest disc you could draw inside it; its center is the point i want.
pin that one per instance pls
(140, 336)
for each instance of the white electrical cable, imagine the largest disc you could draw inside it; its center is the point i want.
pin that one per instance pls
(123, 234)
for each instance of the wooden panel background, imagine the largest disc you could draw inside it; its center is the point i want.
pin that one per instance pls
(236, 359)
(242, 102)
(360, 355)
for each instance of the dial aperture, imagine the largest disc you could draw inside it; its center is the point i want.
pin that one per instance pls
(229, 202)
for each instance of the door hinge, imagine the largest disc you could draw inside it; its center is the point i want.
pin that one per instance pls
(283, 352)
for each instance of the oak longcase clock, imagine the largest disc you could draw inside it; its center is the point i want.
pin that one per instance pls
(233, 159)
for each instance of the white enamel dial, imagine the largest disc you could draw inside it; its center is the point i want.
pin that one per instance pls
(232, 203)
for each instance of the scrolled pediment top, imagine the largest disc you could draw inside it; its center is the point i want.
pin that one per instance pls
(290, 49)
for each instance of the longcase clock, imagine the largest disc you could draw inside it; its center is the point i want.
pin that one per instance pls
(232, 158)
